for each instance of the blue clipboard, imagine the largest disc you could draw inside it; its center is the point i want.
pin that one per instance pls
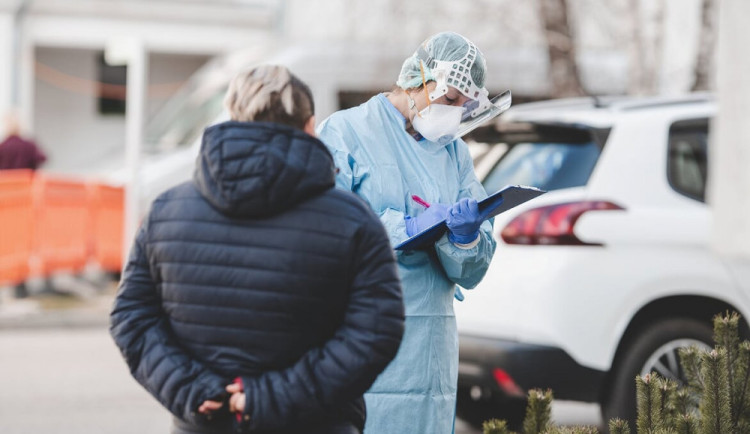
(501, 201)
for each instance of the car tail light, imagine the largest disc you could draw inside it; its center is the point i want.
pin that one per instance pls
(552, 224)
(506, 383)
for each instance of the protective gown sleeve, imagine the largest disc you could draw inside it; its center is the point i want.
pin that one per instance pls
(140, 329)
(344, 367)
(466, 267)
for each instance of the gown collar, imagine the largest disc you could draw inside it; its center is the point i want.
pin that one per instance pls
(399, 116)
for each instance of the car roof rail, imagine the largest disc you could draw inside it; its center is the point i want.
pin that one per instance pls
(616, 102)
(658, 102)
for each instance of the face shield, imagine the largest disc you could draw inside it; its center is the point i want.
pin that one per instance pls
(475, 117)
(457, 74)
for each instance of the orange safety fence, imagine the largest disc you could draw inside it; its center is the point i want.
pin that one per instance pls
(50, 224)
(61, 225)
(107, 206)
(15, 225)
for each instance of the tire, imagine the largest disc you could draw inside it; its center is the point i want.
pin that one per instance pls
(660, 338)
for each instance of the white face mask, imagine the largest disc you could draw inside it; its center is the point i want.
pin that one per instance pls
(437, 122)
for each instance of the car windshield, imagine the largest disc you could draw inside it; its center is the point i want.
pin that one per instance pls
(186, 123)
(548, 166)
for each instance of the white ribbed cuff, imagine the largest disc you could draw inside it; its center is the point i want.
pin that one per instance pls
(469, 245)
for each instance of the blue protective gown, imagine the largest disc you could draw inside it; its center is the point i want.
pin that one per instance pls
(379, 161)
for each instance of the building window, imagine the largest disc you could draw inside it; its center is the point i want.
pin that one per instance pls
(112, 81)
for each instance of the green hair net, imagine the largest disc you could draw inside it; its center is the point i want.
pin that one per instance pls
(445, 46)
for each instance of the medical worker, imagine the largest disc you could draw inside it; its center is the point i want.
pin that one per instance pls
(402, 144)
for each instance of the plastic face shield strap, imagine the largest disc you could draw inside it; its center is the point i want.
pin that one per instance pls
(457, 74)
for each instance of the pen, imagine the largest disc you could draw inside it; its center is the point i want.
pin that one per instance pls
(420, 201)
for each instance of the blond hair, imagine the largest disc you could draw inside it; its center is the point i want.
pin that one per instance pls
(269, 93)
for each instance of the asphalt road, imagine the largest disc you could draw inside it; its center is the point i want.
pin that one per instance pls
(60, 372)
(72, 380)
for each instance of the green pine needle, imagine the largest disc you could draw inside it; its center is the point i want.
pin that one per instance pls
(538, 412)
(649, 403)
(619, 426)
(715, 406)
(687, 424)
(690, 360)
(667, 393)
(572, 430)
(495, 426)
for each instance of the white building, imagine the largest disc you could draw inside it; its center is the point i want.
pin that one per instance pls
(59, 60)
(52, 62)
(52, 52)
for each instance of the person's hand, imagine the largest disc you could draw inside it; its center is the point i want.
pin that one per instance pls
(435, 213)
(236, 399)
(209, 407)
(463, 221)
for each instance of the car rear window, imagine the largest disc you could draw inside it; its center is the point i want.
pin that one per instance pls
(545, 165)
(687, 165)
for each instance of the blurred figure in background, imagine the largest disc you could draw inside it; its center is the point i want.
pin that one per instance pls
(261, 274)
(17, 152)
(403, 144)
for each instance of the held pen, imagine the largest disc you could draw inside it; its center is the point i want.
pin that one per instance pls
(420, 201)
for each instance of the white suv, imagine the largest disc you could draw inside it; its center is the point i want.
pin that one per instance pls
(607, 274)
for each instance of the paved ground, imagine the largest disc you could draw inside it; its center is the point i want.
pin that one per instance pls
(61, 373)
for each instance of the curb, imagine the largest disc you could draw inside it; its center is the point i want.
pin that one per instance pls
(45, 312)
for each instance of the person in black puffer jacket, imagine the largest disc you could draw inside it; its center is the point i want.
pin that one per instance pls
(258, 298)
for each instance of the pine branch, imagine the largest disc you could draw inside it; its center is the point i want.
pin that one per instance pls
(726, 336)
(685, 401)
(715, 410)
(687, 423)
(690, 359)
(649, 404)
(572, 430)
(495, 426)
(619, 426)
(743, 403)
(538, 412)
(667, 392)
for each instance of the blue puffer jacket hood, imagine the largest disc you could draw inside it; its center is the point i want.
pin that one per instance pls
(258, 169)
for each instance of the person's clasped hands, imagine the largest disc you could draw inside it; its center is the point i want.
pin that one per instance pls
(462, 218)
(236, 400)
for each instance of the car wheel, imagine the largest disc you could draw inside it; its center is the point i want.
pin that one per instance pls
(654, 349)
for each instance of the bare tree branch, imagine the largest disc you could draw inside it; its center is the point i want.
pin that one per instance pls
(563, 66)
(704, 61)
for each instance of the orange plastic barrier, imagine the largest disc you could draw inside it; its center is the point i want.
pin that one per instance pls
(50, 224)
(62, 225)
(15, 225)
(108, 215)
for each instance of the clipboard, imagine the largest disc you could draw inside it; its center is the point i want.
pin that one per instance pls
(499, 202)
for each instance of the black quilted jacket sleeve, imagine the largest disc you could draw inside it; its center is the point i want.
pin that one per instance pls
(139, 328)
(347, 365)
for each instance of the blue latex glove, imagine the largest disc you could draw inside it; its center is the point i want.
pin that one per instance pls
(435, 213)
(463, 221)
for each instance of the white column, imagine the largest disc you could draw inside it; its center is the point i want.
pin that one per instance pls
(137, 82)
(729, 186)
(6, 63)
(26, 82)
